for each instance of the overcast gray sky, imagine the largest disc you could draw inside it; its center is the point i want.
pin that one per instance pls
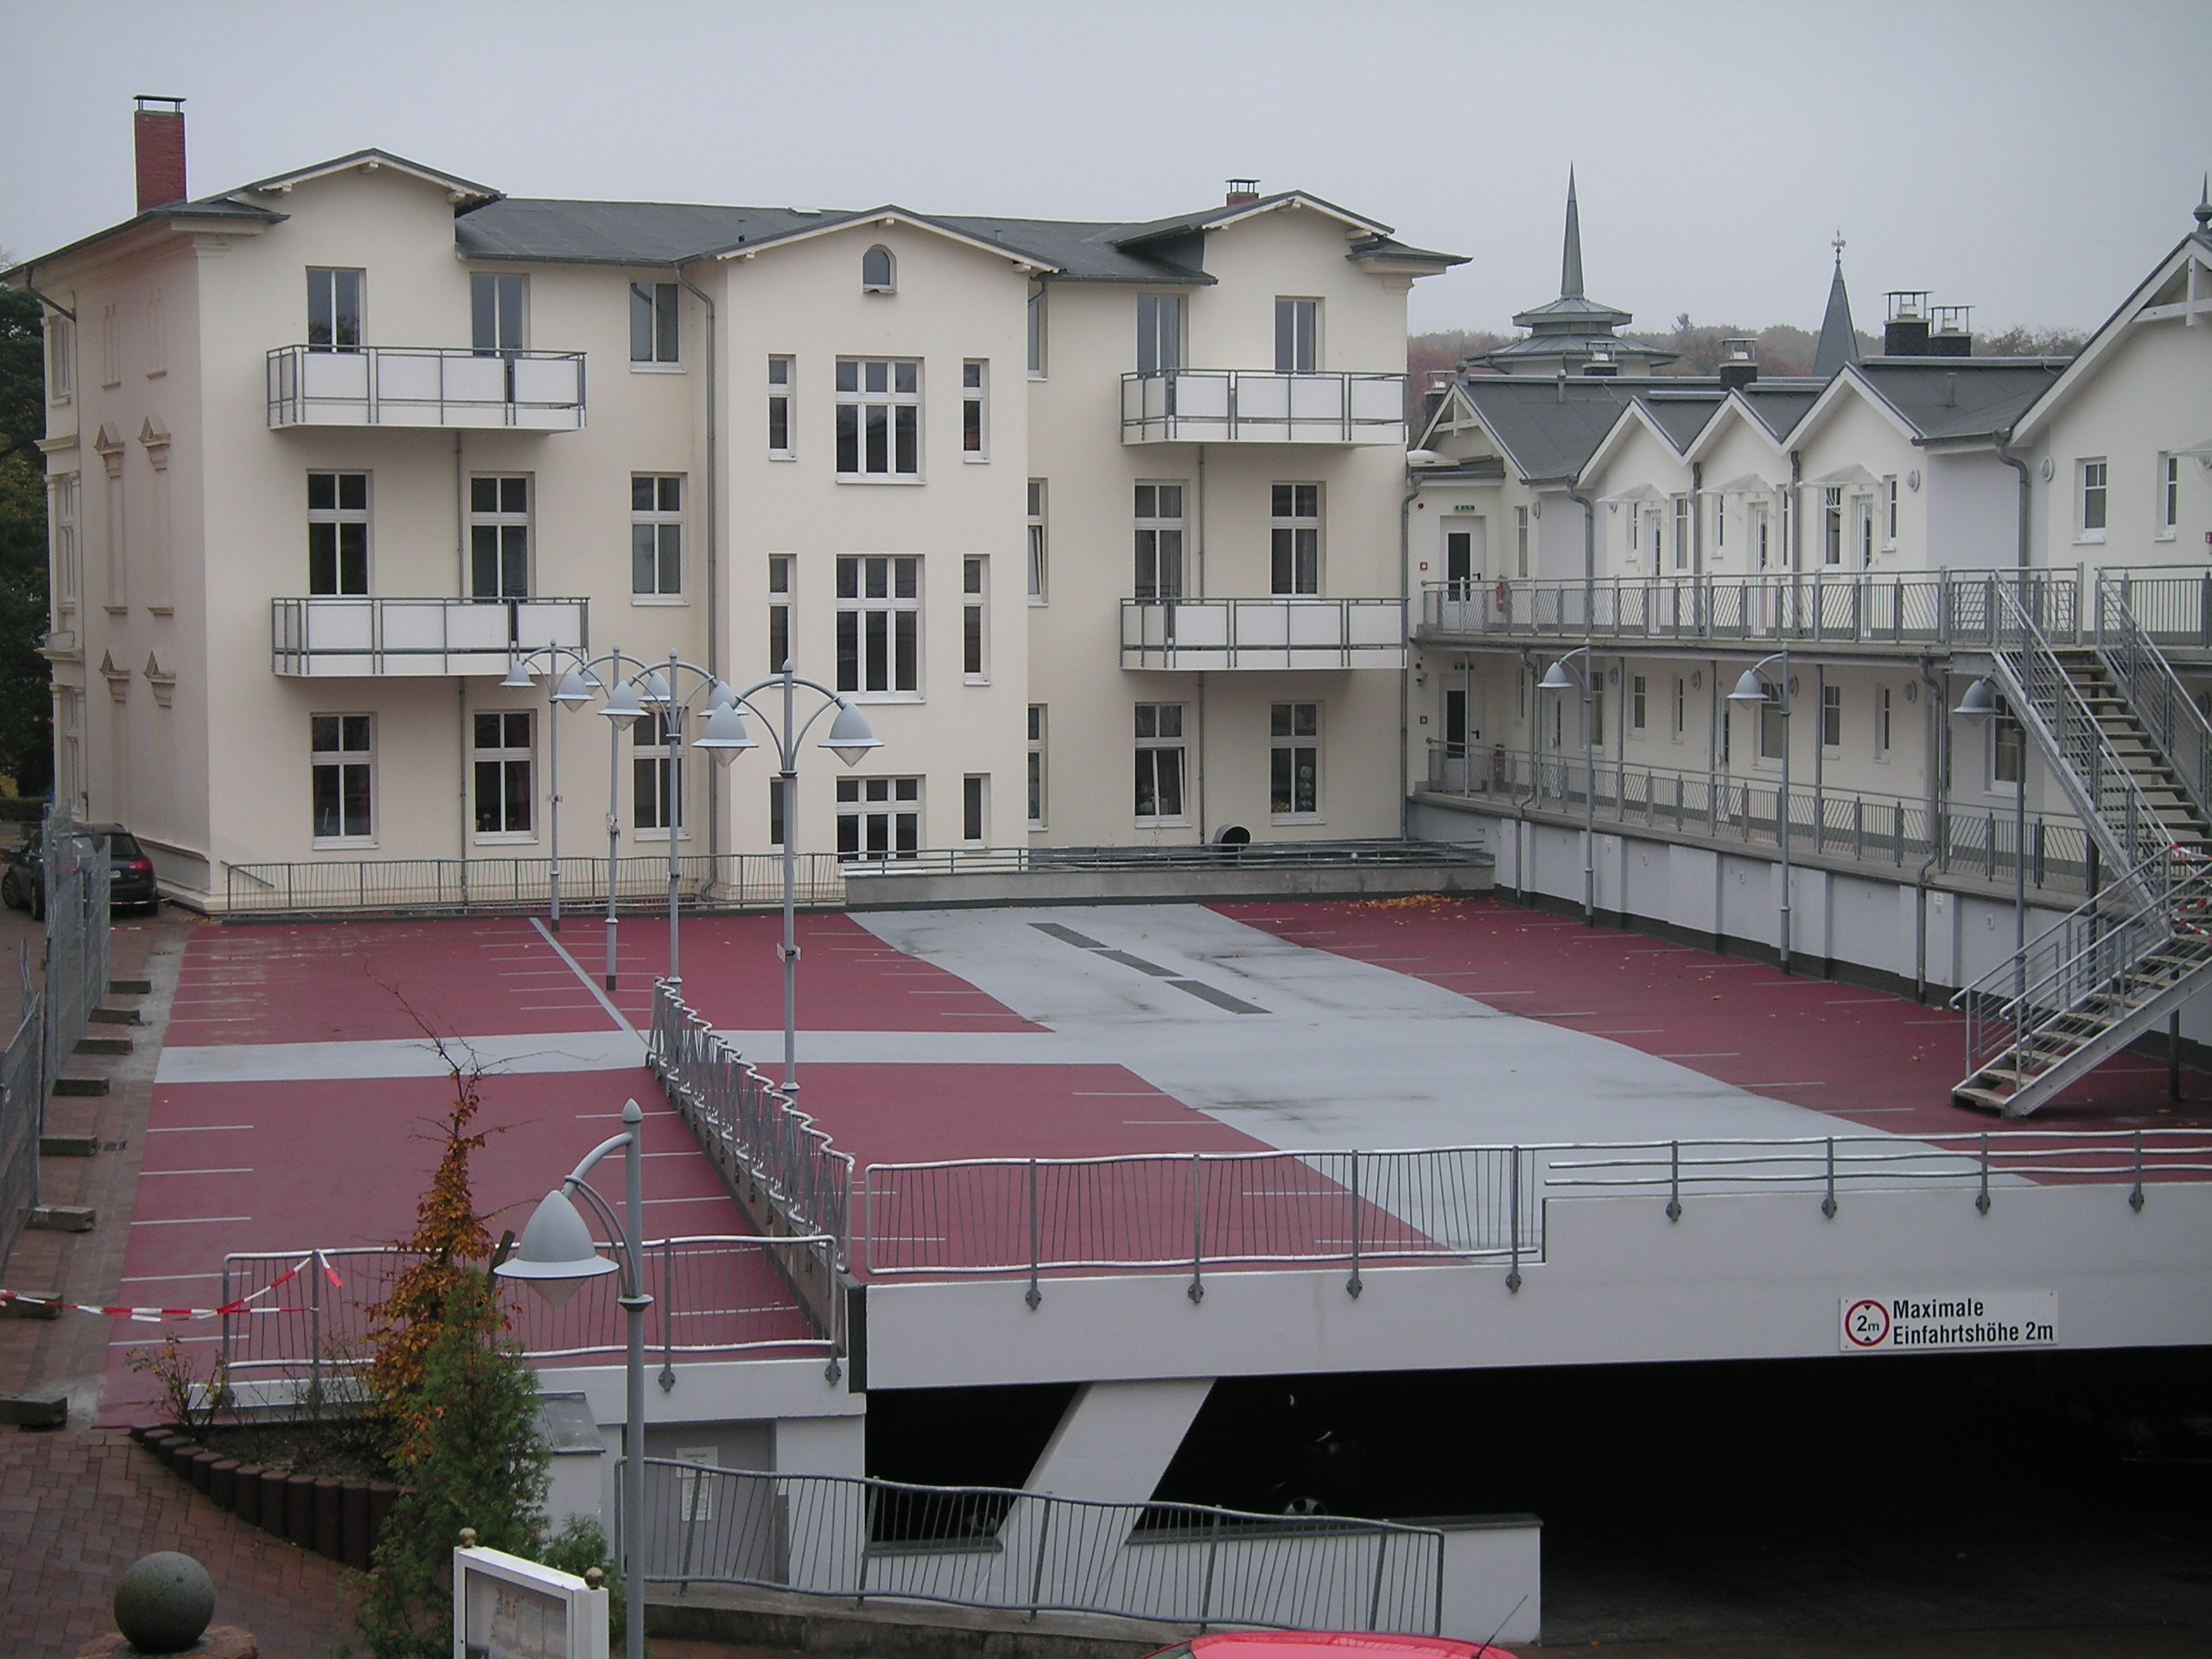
(2028, 157)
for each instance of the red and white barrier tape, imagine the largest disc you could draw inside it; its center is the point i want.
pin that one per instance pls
(159, 1315)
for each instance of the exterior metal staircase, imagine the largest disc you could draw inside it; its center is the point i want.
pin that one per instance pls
(2132, 751)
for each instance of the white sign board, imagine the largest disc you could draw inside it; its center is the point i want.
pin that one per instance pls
(505, 1607)
(1944, 1322)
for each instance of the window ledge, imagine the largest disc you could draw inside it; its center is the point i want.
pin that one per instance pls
(1162, 824)
(783, 455)
(342, 843)
(2090, 539)
(2167, 535)
(885, 697)
(1038, 600)
(1300, 818)
(658, 599)
(872, 478)
(506, 838)
(660, 835)
(656, 368)
(975, 679)
(976, 460)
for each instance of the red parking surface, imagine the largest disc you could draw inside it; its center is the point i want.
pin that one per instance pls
(1874, 1059)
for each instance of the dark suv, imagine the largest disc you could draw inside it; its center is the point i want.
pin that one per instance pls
(130, 871)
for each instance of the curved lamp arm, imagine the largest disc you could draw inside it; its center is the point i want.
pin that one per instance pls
(617, 1236)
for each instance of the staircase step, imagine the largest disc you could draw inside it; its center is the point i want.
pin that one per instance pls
(1968, 1094)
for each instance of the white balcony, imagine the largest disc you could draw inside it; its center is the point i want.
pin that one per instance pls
(331, 638)
(1187, 634)
(1250, 406)
(426, 386)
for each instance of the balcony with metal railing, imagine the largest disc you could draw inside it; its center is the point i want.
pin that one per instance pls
(1279, 632)
(426, 386)
(351, 636)
(1260, 406)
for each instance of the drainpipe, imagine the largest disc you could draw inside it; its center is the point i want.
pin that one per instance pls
(1405, 685)
(714, 550)
(49, 303)
(2020, 815)
(1198, 581)
(1589, 667)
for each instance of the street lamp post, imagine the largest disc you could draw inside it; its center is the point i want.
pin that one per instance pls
(1751, 687)
(562, 688)
(849, 738)
(1558, 678)
(555, 1256)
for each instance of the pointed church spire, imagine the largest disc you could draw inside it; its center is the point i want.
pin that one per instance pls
(1839, 339)
(1570, 265)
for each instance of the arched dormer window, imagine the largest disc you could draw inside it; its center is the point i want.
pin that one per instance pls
(878, 271)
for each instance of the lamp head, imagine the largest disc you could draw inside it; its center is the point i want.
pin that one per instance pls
(849, 737)
(1979, 702)
(718, 695)
(622, 705)
(518, 678)
(1556, 678)
(1749, 688)
(557, 1254)
(654, 689)
(725, 736)
(577, 686)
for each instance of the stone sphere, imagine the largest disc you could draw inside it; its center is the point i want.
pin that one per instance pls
(164, 1603)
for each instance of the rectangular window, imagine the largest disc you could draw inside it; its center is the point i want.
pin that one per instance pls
(337, 533)
(2168, 515)
(1682, 708)
(1832, 717)
(878, 417)
(1521, 541)
(60, 359)
(1160, 761)
(333, 310)
(656, 769)
(1638, 703)
(1036, 334)
(1719, 523)
(1862, 529)
(1883, 716)
(2007, 752)
(1295, 759)
(879, 818)
(782, 374)
(1788, 499)
(975, 597)
(495, 320)
(879, 623)
(1459, 562)
(1653, 521)
(1033, 572)
(1298, 336)
(975, 818)
(1034, 763)
(501, 755)
(343, 762)
(775, 811)
(974, 389)
(1832, 526)
(1774, 730)
(111, 347)
(62, 537)
(2095, 478)
(1762, 548)
(1635, 517)
(779, 611)
(653, 318)
(1294, 535)
(1597, 712)
(1160, 333)
(657, 536)
(499, 535)
(1889, 512)
(1682, 532)
(1159, 541)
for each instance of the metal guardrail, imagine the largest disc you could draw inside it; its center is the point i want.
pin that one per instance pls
(1853, 824)
(74, 866)
(425, 385)
(22, 1108)
(2168, 715)
(713, 1293)
(726, 881)
(2170, 603)
(357, 636)
(1277, 632)
(860, 1539)
(752, 1130)
(1260, 406)
(1205, 856)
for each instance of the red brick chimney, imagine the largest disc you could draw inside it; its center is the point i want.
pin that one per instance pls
(157, 135)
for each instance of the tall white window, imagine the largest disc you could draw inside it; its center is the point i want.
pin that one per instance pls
(1889, 512)
(1298, 336)
(879, 818)
(337, 533)
(878, 271)
(974, 631)
(1159, 541)
(1037, 334)
(1774, 728)
(878, 417)
(2095, 487)
(1294, 536)
(1862, 529)
(499, 535)
(343, 765)
(1788, 529)
(1884, 732)
(1653, 521)
(1033, 570)
(1520, 541)
(1719, 523)
(2007, 752)
(62, 537)
(1160, 761)
(1160, 333)
(1033, 763)
(2168, 514)
(60, 359)
(656, 774)
(501, 756)
(334, 310)
(1682, 532)
(1762, 545)
(1832, 526)
(653, 324)
(879, 623)
(1638, 703)
(779, 611)
(782, 440)
(975, 809)
(1682, 708)
(975, 396)
(657, 536)
(496, 323)
(1832, 718)
(1295, 759)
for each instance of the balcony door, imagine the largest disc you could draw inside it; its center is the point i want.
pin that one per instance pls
(499, 535)
(1160, 333)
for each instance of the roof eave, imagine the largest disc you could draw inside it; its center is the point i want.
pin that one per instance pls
(243, 221)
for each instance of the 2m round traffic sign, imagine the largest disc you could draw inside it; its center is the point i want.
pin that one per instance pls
(1866, 1324)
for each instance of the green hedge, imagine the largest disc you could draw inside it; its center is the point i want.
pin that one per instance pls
(16, 809)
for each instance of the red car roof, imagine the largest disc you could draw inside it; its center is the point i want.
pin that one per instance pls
(1303, 1644)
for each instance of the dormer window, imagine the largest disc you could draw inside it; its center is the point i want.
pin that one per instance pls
(878, 271)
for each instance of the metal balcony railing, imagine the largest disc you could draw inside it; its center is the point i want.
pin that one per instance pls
(1257, 406)
(425, 386)
(338, 637)
(1264, 633)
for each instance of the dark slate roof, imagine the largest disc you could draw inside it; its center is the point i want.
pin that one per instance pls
(1548, 428)
(1085, 252)
(1186, 224)
(1680, 415)
(1780, 405)
(1942, 398)
(211, 208)
(620, 233)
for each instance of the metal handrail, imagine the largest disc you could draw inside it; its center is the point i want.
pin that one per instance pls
(1159, 627)
(293, 648)
(709, 881)
(2168, 715)
(1156, 406)
(290, 398)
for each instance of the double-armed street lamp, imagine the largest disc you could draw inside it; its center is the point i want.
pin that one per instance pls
(1753, 688)
(1559, 678)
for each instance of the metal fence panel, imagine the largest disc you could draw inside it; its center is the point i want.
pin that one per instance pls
(22, 1106)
